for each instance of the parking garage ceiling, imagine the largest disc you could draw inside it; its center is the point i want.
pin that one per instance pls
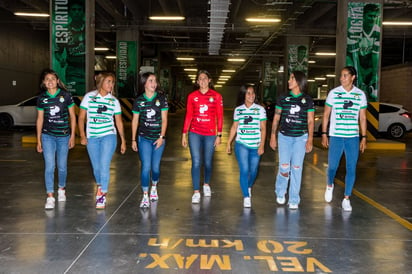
(211, 47)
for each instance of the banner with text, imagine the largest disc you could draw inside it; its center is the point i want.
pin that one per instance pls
(68, 43)
(363, 45)
(127, 69)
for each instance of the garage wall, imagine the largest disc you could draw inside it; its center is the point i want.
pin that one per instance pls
(23, 55)
(396, 85)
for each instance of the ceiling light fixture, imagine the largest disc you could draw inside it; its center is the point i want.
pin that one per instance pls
(190, 69)
(236, 60)
(330, 75)
(391, 23)
(228, 70)
(320, 78)
(263, 20)
(32, 14)
(101, 49)
(167, 18)
(111, 57)
(311, 61)
(325, 53)
(185, 58)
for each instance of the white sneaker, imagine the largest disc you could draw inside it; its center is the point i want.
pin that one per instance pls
(247, 202)
(329, 193)
(206, 191)
(196, 198)
(250, 191)
(293, 206)
(153, 194)
(61, 195)
(346, 205)
(280, 200)
(145, 201)
(50, 201)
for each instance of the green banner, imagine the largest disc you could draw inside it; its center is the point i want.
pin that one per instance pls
(126, 69)
(68, 43)
(298, 58)
(363, 45)
(270, 73)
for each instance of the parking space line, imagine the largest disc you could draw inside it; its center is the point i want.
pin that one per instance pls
(378, 206)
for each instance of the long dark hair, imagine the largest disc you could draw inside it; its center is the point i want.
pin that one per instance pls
(45, 72)
(211, 85)
(142, 82)
(242, 94)
(352, 71)
(301, 79)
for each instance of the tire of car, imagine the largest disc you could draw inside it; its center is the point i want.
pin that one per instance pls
(396, 131)
(6, 121)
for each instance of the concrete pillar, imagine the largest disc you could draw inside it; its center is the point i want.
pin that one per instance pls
(90, 44)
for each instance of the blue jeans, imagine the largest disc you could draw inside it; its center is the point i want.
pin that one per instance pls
(201, 145)
(55, 148)
(248, 160)
(338, 145)
(150, 158)
(101, 150)
(291, 154)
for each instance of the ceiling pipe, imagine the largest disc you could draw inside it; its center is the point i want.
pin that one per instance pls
(219, 10)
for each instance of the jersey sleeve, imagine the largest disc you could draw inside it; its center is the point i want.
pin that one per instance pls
(85, 102)
(189, 113)
(219, 113)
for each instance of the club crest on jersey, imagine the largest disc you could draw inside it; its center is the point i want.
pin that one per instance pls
(211, 99)
(157, 103)
(303, 101)
(61, 99)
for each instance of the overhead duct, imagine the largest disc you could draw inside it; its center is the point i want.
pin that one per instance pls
(219, 10)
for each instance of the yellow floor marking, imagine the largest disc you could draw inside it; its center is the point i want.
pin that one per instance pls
(370, 201)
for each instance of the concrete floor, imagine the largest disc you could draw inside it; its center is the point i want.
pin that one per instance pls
(216, 236)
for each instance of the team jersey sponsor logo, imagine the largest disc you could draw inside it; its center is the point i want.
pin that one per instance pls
(150, 113)
(203, 108)
(54, 110)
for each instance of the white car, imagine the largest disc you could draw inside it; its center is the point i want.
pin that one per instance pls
(394, 120)
(21, 114)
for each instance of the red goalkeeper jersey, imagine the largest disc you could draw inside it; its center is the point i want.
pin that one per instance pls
(204, 113)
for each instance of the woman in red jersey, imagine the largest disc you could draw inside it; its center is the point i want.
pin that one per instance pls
(203, 128)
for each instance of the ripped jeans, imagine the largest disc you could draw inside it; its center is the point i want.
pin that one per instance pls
(291, 153)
